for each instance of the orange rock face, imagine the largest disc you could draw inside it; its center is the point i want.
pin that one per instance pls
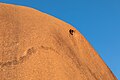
(36, 46)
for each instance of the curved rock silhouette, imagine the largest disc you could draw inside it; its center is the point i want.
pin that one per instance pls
(37, 46)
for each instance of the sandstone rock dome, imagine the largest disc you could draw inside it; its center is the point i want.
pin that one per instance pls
(37, 46)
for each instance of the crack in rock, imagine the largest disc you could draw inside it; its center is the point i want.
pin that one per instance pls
(49, 48)
(29, 52)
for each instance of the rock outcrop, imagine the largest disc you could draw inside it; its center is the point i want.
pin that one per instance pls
(37, 46)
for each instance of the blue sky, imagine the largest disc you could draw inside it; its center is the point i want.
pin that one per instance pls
(97, 20)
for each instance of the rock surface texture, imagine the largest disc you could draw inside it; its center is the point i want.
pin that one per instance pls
(37, 46)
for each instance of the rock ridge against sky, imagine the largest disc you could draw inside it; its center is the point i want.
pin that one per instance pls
(37, 46)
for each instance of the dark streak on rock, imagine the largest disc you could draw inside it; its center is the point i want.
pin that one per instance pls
(93, 74)
(71, 53)
(74, 58)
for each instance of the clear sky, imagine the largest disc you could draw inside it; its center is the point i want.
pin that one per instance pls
(97, 20)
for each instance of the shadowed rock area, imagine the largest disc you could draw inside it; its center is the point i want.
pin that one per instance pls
(37, 46)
